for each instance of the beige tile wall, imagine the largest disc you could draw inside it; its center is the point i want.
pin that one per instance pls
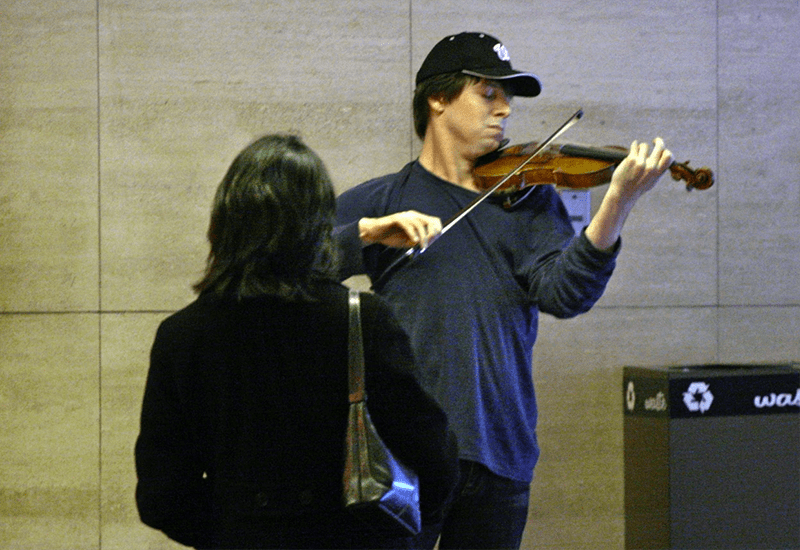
(117, 120)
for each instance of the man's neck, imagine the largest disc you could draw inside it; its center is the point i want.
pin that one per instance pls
(447, 163)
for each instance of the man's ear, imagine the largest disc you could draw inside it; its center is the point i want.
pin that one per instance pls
(436, 104)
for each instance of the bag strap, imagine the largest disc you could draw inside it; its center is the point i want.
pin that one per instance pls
(355, 350)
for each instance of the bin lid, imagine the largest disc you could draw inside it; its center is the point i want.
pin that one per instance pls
(700, 391)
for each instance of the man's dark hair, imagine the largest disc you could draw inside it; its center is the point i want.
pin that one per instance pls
(446, 87)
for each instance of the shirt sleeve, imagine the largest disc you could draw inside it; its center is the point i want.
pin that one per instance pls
(172, 493)
(370, 199)
(348, 243)
(574, 279)
(565, 273)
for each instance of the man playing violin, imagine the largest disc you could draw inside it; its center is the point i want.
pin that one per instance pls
(470, 302)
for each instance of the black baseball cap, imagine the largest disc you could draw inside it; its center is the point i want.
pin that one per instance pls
(477, 54)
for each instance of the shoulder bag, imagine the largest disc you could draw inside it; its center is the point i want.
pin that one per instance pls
(377, 487)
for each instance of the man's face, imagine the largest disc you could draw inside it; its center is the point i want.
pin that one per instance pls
(476, 118)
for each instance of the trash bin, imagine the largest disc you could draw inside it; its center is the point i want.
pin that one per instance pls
(712, 457)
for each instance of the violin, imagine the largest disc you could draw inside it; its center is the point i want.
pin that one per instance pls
(512, 173)
(565, 165)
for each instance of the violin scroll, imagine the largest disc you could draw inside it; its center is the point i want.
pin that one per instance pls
(702, 178)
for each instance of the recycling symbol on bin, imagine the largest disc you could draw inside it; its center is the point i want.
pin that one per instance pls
(698, 397)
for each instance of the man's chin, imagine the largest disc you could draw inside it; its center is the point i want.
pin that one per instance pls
(491, 152)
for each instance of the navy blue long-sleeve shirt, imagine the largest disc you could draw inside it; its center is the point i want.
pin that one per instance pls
(470, 302)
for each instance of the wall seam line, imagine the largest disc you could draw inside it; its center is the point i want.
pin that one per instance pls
(99, 289)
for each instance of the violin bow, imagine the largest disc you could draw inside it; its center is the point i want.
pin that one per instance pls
(418, 249)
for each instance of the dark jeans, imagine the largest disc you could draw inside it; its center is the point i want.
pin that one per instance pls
(487, 512)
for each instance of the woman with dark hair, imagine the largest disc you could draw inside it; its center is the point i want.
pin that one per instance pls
(271, 222)
(245, 406)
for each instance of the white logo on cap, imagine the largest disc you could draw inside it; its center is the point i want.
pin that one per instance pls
(502, 52)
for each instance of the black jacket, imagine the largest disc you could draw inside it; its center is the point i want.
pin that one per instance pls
(244, 414)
